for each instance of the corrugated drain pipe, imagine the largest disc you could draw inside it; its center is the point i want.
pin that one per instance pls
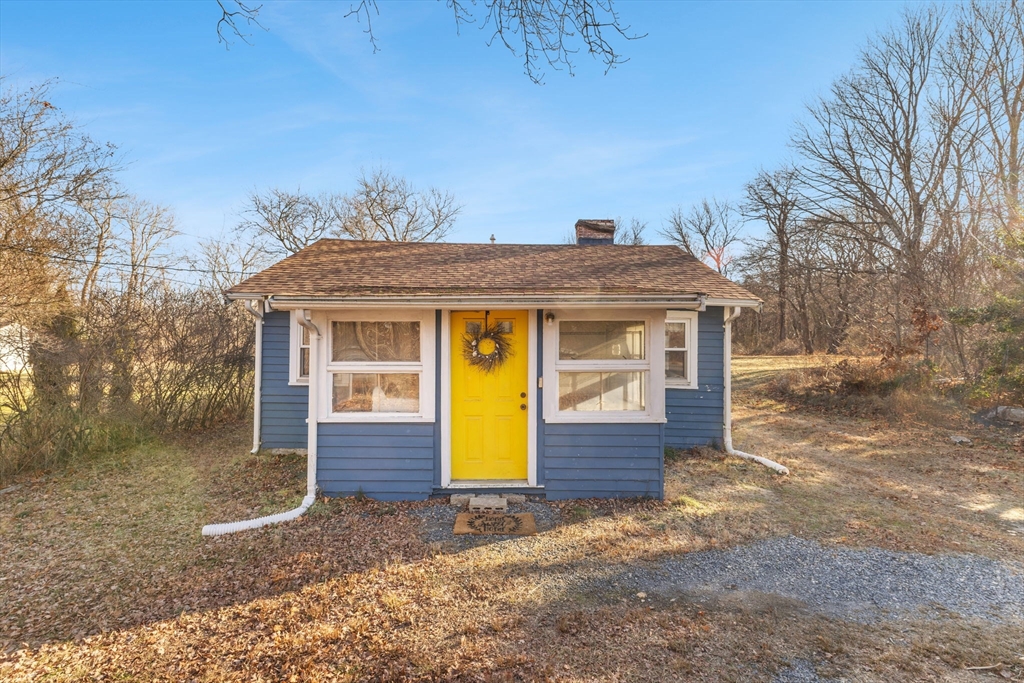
(231, 527)
(727, 431)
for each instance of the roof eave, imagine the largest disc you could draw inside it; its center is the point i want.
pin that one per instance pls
(695, 301)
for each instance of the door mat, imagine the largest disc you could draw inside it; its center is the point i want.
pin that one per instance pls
(480, 523)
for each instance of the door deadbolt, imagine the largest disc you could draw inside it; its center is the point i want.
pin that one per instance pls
(522, 406)
(522, 395)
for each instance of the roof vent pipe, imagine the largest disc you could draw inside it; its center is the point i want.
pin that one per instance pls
(591, 231)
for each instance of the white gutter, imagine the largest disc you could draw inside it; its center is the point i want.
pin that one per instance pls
(232, 527)
(257, 397)
(680, 302)
(727, 399)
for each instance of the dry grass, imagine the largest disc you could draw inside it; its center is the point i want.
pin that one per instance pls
(103, 575)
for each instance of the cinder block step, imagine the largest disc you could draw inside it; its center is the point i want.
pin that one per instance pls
(488, 504)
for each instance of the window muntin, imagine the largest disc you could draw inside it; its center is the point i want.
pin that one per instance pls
(601, 340)
(375, 368)
(677, 350)
(681, 350)
(602, 367)
(375, 392)
(303, 372)
(298, 352)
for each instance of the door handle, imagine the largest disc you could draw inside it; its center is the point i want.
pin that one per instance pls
(522, 406)
(522, 394)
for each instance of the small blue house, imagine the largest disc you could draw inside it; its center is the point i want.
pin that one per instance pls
(406, 370)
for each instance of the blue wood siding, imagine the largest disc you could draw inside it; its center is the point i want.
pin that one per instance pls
(386, 461)
(402, 461)
(695, 415)
(603, 460)
(284, 407)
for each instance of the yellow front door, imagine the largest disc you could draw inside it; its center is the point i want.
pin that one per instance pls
(490, 409)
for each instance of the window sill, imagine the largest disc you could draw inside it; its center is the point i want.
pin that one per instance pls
(604, 419)
(362, 418)
(692, 387)
(296, 383)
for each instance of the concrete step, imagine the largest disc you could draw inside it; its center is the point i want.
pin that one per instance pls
(461, 499)
(488, 504)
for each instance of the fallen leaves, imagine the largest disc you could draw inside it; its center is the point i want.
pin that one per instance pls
(104, 576)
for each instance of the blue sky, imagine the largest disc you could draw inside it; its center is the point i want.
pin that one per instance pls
(707, 98)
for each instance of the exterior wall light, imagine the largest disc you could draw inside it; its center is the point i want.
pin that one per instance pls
(549, 317)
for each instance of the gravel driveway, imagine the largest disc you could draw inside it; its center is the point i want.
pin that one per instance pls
(863, 585)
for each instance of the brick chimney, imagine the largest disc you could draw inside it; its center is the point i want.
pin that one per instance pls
(595, 231)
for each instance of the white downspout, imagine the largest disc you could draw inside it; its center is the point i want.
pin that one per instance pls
(257, 396)
(727, 399)
(314, 403)
(231, 527)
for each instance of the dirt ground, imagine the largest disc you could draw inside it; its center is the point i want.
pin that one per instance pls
(104, 576)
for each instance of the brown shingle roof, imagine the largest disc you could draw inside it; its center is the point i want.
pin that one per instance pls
(348, 268)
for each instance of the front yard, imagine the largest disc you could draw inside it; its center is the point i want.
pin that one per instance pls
(104, 576)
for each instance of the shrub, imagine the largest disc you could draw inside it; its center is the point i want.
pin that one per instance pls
(38, 439)
(787, 347)
(890, 389)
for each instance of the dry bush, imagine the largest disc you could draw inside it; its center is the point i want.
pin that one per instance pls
(787, 347)
(179, 360)
(866, 387)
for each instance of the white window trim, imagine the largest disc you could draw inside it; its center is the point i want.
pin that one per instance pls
(690, 318)
(294, 338)
(653, 366)
(426, 367)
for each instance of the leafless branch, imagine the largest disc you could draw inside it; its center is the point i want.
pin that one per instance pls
(364, 10)
(235, 16)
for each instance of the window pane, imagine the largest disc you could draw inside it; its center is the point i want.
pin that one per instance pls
(676, 365)
(375, 341)
(675, 336)
(375, 393)
(304, 362)
(604, 391)
(305, 336)
(601, 340)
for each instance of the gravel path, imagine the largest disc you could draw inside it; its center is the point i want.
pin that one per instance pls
(800, 671)
(864, 585)
(857, 584)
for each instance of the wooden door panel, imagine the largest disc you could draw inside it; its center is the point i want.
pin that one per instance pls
(489, 427)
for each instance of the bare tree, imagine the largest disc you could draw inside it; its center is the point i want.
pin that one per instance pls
(283, 222)
(985, 56)
(878, 152)
(224, 262)
(386, 207)
(539, 32)
(708, 231)
(48, 171)
(772, 199)
(631, 232)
